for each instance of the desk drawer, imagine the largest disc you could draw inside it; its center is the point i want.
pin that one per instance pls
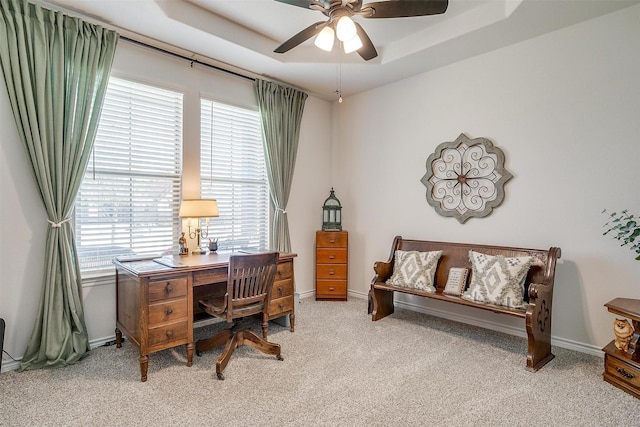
(331, 271)
(282, 288)
(331, 239)
(219, 275)
(168, 335)
(331, 289)
(280, 305)
(168, 288)
(284, 270)
(168, 311)
(331, 256)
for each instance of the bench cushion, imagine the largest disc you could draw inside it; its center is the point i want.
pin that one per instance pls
(498, 280)
(413, 269)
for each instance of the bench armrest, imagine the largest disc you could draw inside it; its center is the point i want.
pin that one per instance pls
(539, 289)
(383, 271)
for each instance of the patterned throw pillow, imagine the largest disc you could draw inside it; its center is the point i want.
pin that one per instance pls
(498, 280)
(413, 269)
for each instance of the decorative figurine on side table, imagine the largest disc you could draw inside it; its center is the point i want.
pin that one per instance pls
(213, 245)
(623, 332)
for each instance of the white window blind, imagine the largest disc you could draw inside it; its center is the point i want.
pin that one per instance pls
(233, 172)
(129, 198)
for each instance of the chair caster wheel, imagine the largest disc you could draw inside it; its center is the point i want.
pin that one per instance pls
(220, 376)
(279, 357)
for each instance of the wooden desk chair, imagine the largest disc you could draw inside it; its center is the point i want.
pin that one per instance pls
(249, 284)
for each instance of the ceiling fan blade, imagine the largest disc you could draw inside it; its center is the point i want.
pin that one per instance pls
(302, 36)
(403, 8)
(354, 5)
(368, 50)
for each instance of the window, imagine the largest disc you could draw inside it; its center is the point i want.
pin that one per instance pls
(129, 199)
(233, 172)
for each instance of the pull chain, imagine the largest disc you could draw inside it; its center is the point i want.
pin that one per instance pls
(339, 91)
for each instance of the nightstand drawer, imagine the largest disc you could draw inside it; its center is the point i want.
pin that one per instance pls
(331, 288)
(168, 335)
(331, 239)
(168, 311)
(331, 271)
(280, 305)
(168, 288)
(622, 371)
(331, 256)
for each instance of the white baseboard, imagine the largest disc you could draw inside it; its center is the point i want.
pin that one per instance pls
(13, 365)
(557, 341)
(307, 294)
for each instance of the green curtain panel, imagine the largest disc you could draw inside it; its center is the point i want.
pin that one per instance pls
(56, 69)
(281, 109)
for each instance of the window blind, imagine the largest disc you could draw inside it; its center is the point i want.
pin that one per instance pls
(232, 169)
(129, 198)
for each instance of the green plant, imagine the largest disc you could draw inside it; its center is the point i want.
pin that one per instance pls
(624, 227)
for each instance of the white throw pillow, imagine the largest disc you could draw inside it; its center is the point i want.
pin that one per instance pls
(498, 280)
(413, 269)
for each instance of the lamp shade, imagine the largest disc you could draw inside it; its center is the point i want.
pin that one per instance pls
(198, 208)
(325, 39)
(352, 45)
(346, 29)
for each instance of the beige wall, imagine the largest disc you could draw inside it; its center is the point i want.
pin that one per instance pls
(565, 109)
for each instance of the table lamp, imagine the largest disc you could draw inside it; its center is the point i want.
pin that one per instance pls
(198, 208)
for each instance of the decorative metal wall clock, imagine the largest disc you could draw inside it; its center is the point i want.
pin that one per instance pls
(465, 178)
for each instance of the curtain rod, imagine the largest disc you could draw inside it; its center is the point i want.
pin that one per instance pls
(186, 58)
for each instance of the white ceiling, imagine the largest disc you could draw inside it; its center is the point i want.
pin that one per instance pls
(244, 33)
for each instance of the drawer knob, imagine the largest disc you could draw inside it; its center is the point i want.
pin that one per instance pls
(331, 289)
(169, 311)
(624, 373)
(331, 256)
(169, 334)
(281, 306)
(169, 288)
(280, 289)
(331, 272)
(332, 241)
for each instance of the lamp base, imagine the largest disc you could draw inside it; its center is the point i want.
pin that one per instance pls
(199, 251)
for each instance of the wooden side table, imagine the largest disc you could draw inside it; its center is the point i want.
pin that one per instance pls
(622, 369)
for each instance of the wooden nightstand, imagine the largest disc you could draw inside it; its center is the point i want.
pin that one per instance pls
(622, 369)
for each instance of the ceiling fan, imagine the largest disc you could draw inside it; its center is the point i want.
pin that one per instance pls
(350, 33)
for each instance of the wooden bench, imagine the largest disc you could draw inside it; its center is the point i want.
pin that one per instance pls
(538, 288)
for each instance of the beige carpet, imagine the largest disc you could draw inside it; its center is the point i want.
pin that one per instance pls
(339, 369)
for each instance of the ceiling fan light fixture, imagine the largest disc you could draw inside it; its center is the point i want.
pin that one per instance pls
(352, 45)
(325, 39)
(346, 29)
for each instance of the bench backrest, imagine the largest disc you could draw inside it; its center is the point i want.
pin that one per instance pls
(457, 255)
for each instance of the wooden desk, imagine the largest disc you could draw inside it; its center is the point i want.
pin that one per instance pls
(622, 369)
(157, 305)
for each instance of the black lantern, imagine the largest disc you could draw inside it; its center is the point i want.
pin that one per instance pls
(331, 216)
